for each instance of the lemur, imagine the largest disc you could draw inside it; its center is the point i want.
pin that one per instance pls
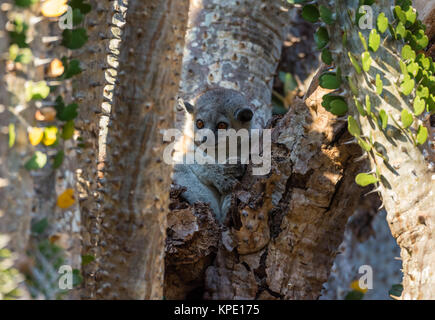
(215, 109)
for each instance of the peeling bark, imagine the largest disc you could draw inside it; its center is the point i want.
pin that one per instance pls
(192, 240)
(282, 236)
(292, 221)
(125, 186)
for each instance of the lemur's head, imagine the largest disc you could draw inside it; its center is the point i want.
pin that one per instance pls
(220, 109)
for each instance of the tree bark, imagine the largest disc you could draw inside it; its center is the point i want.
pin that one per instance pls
(16, 188)
(124, 181)
(407, 185)
(281, 239)
(236, 45)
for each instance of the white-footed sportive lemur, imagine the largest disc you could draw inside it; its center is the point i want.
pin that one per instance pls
(215, 109)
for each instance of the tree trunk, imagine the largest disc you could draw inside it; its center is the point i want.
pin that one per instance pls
(234, 45)
(426, 11)
(407, 185)
(16, 189)
(124, 181)
(282, 237)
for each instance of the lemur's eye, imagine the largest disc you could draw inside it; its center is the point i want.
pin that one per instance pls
(199, 124)
(222, 125)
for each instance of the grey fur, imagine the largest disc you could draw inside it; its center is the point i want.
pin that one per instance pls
(213, 183)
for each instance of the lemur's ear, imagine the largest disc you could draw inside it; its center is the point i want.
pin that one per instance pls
(244, 115)
(186, 105)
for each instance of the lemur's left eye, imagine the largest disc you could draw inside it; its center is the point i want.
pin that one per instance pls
(199, 124)
(222, 125)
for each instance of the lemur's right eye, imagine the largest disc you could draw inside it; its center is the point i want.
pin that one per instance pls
(199, 124)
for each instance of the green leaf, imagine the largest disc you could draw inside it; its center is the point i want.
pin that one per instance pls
(424, 61)
(365, 179)
(396, 290)
(321, 37)
(12, 134)
(288, 80)
(65, 113)
(25, 3)
(352, 127)
(407, 85)
(328, 98)
(13, 51)
(379, 84)
(400, 14)
(354, 62)
(352, 86)
(368, 105)
(36, 91)
(366, 60)
(17, 54)
(68, 130)
(403, 67)
(68, 113)
(363, 41)
(87, 259)
(327, 57)
(384, 118)
(423, 92)
(77, 16)
(408, 53)
(310, 13)
(40, 226)
(77, 277)
(411, 16)
(421, 40)
(24, 56)
(58, 159)
(374, 40)
(344, 39)
(431, 103)
(419, 106)
(360, 108)
(401, 30)
(329, 80)
(326, 15)
(354, 295)
(38, 161)
(74, 39)
(72, 68)
(18, 33)
(413, 68)
(80, 4)
(382, 22)
(338, 107)
(365, 145)
(406, 118)
(422, 134)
